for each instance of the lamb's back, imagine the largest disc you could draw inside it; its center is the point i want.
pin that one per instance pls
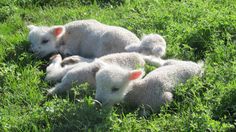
(151, 89)
(125, 60)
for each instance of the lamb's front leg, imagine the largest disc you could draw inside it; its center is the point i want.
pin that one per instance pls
(56, 71)
(59, 88)
(54, 68)
(152, 60)
(64, 85)
(77, 75)
(74, 59)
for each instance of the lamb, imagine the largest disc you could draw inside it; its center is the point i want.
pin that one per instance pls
(151, 45)
(87, 38)
(85, 71)
(115, 84)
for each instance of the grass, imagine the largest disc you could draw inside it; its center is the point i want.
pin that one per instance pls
(194, 30)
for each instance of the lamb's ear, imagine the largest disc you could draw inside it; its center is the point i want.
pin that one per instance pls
(31, 27)
(136, 74)
(58, 31)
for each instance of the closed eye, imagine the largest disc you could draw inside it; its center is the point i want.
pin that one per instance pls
(45, 41)
(114, 89)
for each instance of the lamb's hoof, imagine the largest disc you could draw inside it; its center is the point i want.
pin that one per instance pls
(51, 92)
(56, 57)
(145, 111)
(97, 104)
(69, 61)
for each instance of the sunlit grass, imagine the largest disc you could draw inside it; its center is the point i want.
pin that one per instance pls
(194, 30)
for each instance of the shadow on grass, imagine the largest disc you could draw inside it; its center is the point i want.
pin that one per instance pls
(200, 41)
(82, 117)
(69, 3)
(226, 111)
(21, 56)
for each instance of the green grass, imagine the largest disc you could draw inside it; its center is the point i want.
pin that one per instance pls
(193, 29)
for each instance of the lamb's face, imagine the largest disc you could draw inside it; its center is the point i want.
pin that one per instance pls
(112, 84)
(146, 48)
(153, 44)
(43, 40)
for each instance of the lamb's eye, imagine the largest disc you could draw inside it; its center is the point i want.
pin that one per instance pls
(114, 89)
(45, 41)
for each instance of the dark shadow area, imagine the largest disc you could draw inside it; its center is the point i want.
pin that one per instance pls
(185, 95)
(81, 118)
(103, 3)
(21, 56)
(83, 91)
(63, 116)
(68, 3)
(226, 111)
(200, 41)
(80, 114)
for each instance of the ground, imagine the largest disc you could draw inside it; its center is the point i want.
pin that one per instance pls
(194, 30)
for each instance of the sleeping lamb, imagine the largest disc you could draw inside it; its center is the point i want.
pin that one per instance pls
(87, 38)
(115, 84)
(85, 71)
(58, 67)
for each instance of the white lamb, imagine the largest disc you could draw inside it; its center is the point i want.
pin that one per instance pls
(85, 72)
(115, 84)
(151, 45)
(87, 38)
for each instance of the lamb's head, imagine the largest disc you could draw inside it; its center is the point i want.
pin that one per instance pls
(112, 84)
(153, 44)
(43, 39)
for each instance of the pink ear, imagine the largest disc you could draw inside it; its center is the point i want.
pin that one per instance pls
(57, 31)
(135, 74)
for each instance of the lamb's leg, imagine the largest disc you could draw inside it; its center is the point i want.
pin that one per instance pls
(65, 85)
(153, 61)
(59, 88)
(54, 68)
(145, 110)
(81, 73)
(55, 71)
(74, 59)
